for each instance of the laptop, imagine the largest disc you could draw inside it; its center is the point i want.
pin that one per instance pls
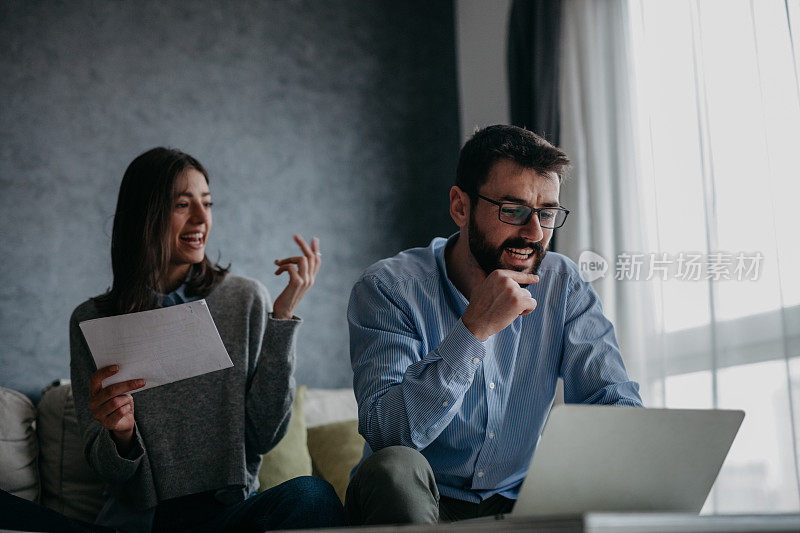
(624, 459)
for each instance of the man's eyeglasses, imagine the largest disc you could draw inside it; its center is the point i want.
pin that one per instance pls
(520, 214)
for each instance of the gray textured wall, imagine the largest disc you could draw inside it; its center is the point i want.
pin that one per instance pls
(330, 118)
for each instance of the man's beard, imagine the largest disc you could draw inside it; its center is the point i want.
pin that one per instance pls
(488, 257)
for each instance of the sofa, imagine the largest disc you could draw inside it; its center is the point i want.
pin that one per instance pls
(41, 453)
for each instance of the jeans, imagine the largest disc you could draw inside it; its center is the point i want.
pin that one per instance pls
(19, 514)
(300, 503)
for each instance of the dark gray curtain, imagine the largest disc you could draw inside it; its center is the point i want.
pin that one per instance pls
(534, 53)
(534, 56)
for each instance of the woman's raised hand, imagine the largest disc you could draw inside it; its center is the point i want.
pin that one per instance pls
(302, 270)
(112, 406)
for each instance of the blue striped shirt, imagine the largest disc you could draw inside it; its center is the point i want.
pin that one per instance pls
(474, 409)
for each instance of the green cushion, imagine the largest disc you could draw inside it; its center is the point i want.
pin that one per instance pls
(290, 458)
(335, 449)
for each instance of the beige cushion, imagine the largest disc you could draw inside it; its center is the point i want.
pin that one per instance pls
(335, 449)
(289, 459)
(324, 406)
(69, 485)
(19, 473)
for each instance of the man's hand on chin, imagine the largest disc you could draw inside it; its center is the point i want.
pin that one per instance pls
(497, 302)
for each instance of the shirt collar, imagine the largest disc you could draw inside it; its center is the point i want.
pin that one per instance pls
(178, 296)
(440, 245)
(180, 292)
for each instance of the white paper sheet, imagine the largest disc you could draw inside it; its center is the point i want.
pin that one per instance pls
(160, 346)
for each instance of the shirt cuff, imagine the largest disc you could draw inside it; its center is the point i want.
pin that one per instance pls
(294, 318)
(462, 351)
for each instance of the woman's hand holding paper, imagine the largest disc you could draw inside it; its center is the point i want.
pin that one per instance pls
(112, 406)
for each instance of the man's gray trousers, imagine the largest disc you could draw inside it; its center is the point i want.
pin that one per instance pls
(396, 485)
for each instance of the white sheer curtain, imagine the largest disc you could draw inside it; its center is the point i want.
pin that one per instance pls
(683, 119)
(597, 132)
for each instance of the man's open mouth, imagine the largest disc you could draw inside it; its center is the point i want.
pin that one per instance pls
(520, 253)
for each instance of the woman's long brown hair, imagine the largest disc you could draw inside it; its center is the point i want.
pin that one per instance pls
(140, 244)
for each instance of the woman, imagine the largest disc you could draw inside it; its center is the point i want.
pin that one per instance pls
(186, 455)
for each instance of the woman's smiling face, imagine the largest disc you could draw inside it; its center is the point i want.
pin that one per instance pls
(190, 221)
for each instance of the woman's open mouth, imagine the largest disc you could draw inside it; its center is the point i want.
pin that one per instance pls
(194, 240)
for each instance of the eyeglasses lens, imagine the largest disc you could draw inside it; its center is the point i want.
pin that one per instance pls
(519, 215)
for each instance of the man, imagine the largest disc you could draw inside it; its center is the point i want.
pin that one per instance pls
(456, 348)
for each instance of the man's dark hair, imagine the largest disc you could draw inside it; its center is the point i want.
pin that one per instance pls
(140, 244)
(496, 143)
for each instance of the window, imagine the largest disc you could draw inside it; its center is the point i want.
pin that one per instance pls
(718, 116)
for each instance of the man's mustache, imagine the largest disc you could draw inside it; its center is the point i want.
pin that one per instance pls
(519, 242)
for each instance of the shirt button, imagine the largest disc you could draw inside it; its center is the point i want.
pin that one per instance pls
(445, 404)
(491, 384)
(480, 474)
(476, 360)
(491, 435)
